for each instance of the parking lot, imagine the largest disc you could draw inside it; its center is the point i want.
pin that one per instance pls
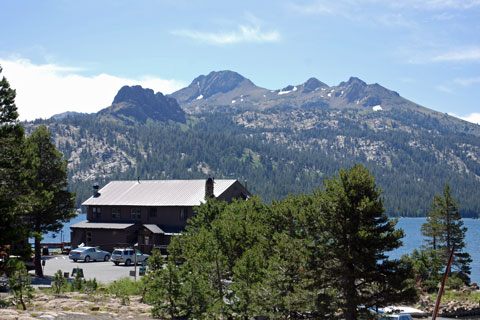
(104, 272)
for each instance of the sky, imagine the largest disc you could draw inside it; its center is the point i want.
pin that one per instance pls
(65, 55)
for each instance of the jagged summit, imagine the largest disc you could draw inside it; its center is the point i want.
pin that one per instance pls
(313, 84)
(215, 83)
(229, 91)
(218, 82)
(135, 94)
(353, 81)
(134, 103)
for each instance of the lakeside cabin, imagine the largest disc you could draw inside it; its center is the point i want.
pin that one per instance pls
(146, 212)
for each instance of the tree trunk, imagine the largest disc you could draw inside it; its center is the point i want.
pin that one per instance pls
(350, 293)
(20, 286)
(38, 257)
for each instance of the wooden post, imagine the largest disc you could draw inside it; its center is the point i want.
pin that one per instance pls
(442, 287)
(135, 259)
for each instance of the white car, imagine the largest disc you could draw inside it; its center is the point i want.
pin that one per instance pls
(89, 254)
(127, 256)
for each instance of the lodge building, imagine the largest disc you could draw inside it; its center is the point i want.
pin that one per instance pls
(146, 213)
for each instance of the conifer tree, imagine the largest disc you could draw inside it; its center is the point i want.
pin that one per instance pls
(53, 204)
(357, 233)
(444, 229)
(14, 191)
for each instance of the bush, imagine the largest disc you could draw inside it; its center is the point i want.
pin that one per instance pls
(124, 288)
(454, 282)
(77, 283)
(91, 285)
(19, 283)
(4, 303)
(59, 282)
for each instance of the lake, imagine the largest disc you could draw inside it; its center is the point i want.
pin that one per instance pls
(413, 239)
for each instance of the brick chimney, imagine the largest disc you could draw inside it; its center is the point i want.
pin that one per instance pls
(209, 188)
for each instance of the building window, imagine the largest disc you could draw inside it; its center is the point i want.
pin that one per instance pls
(135, 214)
(97, 212)
(183, 214)
(116, 213)
(153, 212)
(146, 239)
(89, 237)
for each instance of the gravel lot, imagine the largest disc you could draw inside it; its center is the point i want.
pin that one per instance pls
(104, 272)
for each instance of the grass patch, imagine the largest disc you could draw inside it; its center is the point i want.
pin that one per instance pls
(126, 286)
(458, 295)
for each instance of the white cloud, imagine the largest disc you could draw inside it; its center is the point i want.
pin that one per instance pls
(459, 55)
(438, 4)
(466, 81)
(390, 8)
(250, 32)
(444, 89)
(318, 7)
(48, 89)
(473, 117)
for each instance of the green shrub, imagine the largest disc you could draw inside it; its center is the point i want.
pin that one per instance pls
(91, 285)
(454, 282)
(59, 282)
(4, 303)
(78, 283)
(19, 283)
(124, 288)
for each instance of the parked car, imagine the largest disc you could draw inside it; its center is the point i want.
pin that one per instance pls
(127, 256)
(88, 254)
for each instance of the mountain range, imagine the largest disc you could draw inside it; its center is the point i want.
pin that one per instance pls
(277, 141)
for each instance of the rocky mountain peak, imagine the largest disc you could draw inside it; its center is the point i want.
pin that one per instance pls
(353, 81)
(218, 82)
(312, 84)
(139, 104)
(135, 94)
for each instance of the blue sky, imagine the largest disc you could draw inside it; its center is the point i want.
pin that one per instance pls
(74, 55)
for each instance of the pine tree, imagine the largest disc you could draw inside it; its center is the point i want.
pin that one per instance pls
(444, 229)
(357, 233)
(53, 204)
(14, 191)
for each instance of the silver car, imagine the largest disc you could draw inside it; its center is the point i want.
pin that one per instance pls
(89, 254)
(127, 256)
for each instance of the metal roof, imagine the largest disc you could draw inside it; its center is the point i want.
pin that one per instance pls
(154, 228)
(156, 192)
(99, 225)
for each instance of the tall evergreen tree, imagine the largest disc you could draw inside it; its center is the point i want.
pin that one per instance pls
(14, 191)
(53, 203)
(357, 233)
(433, 229)
(444, 229)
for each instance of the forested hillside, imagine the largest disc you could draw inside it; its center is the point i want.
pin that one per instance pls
(275, 149)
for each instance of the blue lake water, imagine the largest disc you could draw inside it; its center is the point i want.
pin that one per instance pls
(65, 232)
(413, 239)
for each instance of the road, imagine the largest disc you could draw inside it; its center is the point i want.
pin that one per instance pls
(104, 272)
